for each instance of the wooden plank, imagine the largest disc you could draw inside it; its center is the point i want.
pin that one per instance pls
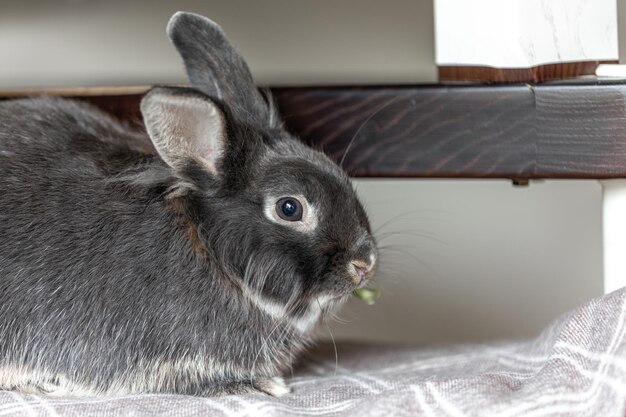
(539, 73)
(75, 91)
(516, 131)
(581, 131)
(522, 132)
(418, 132)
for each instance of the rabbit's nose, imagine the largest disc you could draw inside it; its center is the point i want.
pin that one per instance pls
(363, 268)
(364, 256)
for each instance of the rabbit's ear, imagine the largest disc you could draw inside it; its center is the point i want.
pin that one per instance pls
(215, 67)
(184, 126)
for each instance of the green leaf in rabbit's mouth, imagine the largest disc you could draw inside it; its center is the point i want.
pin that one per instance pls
(367, 295)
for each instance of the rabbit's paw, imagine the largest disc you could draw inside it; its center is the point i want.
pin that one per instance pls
(274, 386)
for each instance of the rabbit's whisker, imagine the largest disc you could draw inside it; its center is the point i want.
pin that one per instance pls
(415, 233)
(332, 337)
(410, 214)
(356, 134)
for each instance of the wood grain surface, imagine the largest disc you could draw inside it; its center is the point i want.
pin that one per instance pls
(540, 73)
(517, 132)
(510, 131)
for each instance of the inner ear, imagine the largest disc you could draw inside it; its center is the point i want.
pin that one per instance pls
(215, 67)
(184, 125)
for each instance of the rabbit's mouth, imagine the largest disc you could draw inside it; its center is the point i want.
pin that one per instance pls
(362, 268)
(354, 274)
(362, 271)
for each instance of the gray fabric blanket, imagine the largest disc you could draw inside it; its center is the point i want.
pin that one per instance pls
(576, 367)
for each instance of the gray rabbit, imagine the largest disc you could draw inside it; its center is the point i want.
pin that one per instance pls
(197, 259)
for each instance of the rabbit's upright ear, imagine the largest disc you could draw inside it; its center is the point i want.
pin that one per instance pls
(184, 126)
(215, 67)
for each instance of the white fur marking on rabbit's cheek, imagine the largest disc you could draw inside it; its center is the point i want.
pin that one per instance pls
(272, 308)
(278, 312)
(316, 307)
(307, 224)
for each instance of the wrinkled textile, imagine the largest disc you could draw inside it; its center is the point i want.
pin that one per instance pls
(576, 367)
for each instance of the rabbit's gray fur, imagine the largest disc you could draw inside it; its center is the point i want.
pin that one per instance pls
(122, 274)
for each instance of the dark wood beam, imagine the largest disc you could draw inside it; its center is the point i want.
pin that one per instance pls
(521, 131)
(515, 132)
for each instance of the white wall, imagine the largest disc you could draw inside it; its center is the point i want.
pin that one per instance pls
(98, 42)
(621, 30)
(513, 258)
(477, 260)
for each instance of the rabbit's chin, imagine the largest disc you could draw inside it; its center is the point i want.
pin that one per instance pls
(319, 308)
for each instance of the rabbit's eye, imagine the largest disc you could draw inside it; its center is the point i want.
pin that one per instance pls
(289, 208)
(291, 211)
